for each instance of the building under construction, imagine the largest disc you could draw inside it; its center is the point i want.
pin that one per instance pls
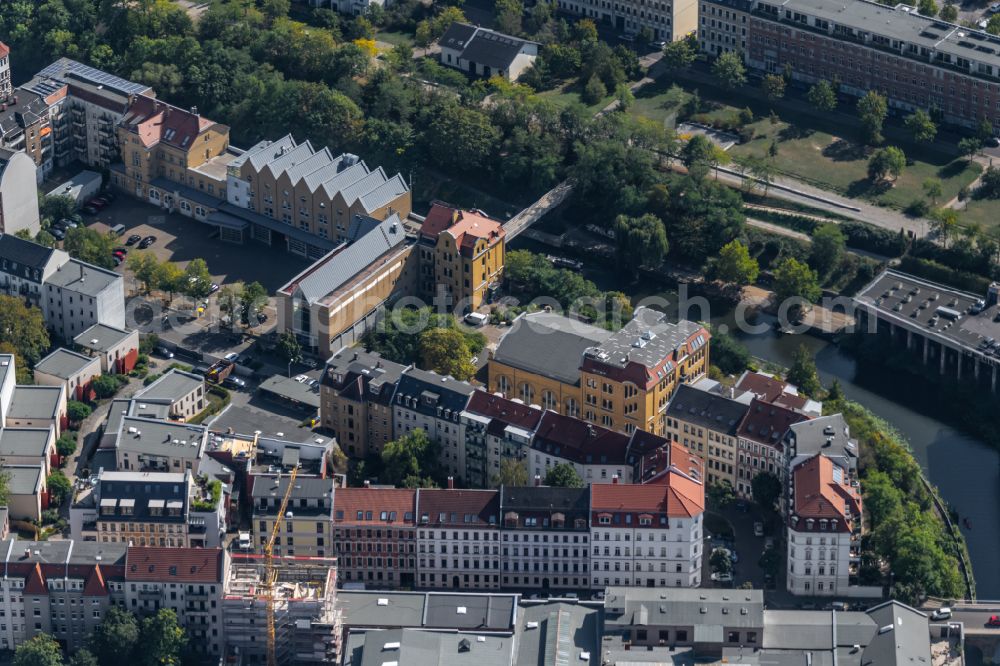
(307, 626)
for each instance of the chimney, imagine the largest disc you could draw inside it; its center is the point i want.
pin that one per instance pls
(614, 480)
(194, 110)
(538, 480)
(451, 483)
(368, 484)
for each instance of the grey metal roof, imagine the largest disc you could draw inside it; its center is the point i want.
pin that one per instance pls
(65, 364)
(140, 488)
(195, 195)
(76, 183)
(102, 337)
(814, 630)
(36, 402)
(172, 386)
(241, 213)
(83, 278)
(289, 388)
(558, 629)
(25, 441)
(289, 158)
(549, 345)
(68, 70)
(400, 609)
(274, 487)
(639, 606)
(647, 339)
(411, 647)
(901, 637)
(23, 479)
(338, 267)
(433, 391)
(337, 176)
(457, 36)
(481, 611)
(384, 193)
(265, 152)
(829, 435)
(708, 410)
(493, 49)
(23, 253)
(161, 438)
(361, 187)
(317, 160)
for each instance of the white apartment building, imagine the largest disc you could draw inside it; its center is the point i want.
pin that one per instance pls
(648, 536)
(434, 404)
(824, 528)
(458, 539)
(722, 26)
(545, 537)
(78, 295)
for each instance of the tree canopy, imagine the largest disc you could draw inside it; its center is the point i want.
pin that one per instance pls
(828, 246)
(411, 461)
(23, 328)
(822, 96)
(793, 278)
(803, 373)
(735, 265)
(728, 68)
(444, 350)
(563, 475)
(39, 650)
(640, 241)
(766, 489)
(872, 110)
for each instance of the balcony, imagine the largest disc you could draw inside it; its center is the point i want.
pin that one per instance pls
(105, 130)
(196, 596)
(150, 594)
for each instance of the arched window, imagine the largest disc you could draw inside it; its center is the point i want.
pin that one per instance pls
(527, 393)
(503, 384)
(548, 400)
(572, 407)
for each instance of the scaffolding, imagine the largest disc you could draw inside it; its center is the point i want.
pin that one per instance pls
(307, 623)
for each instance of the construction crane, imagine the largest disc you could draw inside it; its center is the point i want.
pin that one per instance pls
(270, 572)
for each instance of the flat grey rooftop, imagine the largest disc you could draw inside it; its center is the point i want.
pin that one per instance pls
(83, 278)
(65, 364)
(290, 389)
(363, 609)
(172, 386)
(547, 629)
(705, 608)
(647, 339)
(161, 438)
(101, 337)
(913, 303)
(411, 647)
(432, 610)
(549, 345)
(25, 441)
(23, 479)
(36, 402)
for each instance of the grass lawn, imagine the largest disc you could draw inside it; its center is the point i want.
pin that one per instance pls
(984, 212)
(394, 37)
(833, 163)
(569, 93)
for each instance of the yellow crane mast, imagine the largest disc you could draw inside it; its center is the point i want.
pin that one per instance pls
(270, 573)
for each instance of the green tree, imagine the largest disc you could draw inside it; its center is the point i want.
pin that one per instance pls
(822, 96)
(91, 246)
(773, 86)
(288, 347)
(253, 298)
(949, 12)
(162, 639)
(680, 54)
(734, 265)
(729, 70)
(803, 372)
(933, 189)
(886, 163)
(793, 278)
(228, 300)
(57, 207)
(927, 7)
(594, 90)
(720, 494)
(971, 145)
(944, 221)
(984, 129)
(66, 444)
(721, 561)
(453, 125)
(116, 637)
(445, 351)
(77, 411)
(698, 151)
(828, 246)
(508, 15)
(993, 25)
(171, 278)
(59, 487)
(872, 110)
(39, 650)
(83, 657)
(198, 281)
(23, 328)
(513, 474)
(563, 475)
(921, 125)
(145, 267)
(640, 242)
(766, 489)
(105, 386)
(410, 460)
(728, 355)
(424, 34)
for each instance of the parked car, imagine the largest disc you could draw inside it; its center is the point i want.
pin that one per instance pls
(261, 317)
(232, 356)
(234, 382)
(57, 233)
(146, 242)
(133, 239)
(212, 288)
(597, 596)
(98, 203)
(992, 142)
(164, 352)
(301, 378)
(758, 529)
(994, 621)
(120, 250)
(722, 577)
(76, 217)
(942, 613)
(244, 541)
(90, 210)
(117, 260)
(67, 223)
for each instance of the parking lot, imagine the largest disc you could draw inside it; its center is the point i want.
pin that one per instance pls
(248, 412)
(181, 239)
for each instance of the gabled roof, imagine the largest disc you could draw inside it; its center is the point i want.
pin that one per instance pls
(465, 226)
(483, 46)
(433, 392)
(181, 565)
(458, 508)
(65, 364)
(67, 70)
(707, 410)
(156, 122)
(25, 253)
(768, 424)
(679, 496)
(578, 441)
(94, 585)
(902, 637)
(823, 490)
(386, 506)
(549, 345)
(506, 411)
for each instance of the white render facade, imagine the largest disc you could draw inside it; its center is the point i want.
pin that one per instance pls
(646, 555)
(456, 557)
(818, 564)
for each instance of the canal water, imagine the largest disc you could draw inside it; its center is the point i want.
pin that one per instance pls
(965, 469)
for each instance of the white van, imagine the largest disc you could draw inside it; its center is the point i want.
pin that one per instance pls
(476, 319)
(118, 229)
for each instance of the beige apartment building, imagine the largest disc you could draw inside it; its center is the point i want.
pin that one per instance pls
(304, 530)
(707, 425)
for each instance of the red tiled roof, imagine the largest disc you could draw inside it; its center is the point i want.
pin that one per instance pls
(675, 495)
(579, 441)
(392, 503)
(34, 583)
(768, 423)
(156, 121)
(466, 226)
(4, 50)
(819, 495)
(502, 409)
(449, 507)
(94, 586)
(654, 466)
(766, 388)
(183, 565)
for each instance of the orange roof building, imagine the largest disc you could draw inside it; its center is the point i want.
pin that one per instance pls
(823, 499)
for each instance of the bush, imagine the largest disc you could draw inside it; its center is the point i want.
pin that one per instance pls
(918, 208)
(148, 343)
(66, 444)
(932, 270)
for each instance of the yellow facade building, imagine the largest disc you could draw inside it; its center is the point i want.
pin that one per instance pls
(622, 381)
(461, 256)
